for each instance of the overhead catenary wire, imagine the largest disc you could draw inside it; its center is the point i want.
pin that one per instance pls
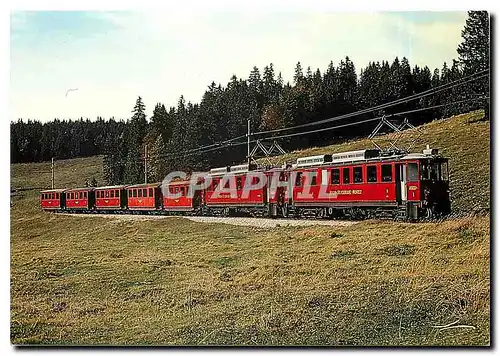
(432, 91)
(412, 97)
(187, 154)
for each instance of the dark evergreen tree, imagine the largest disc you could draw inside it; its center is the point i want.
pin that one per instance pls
(474, 56)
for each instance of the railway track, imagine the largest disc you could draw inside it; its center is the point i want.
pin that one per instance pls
(238, 221)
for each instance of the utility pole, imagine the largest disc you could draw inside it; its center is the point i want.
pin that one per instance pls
(52, 169)
(146, 163)
(248, 142)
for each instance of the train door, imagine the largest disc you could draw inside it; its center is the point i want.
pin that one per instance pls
(401, 182)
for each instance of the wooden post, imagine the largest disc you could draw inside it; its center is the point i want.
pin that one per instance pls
(52, 169)
(145, 163)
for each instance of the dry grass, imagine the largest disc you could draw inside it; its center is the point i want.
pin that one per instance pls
(80, 280)
(68, 173)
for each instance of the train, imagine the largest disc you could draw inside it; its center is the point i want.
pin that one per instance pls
(359, 184)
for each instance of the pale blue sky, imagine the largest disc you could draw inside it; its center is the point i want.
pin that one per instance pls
(111, 57)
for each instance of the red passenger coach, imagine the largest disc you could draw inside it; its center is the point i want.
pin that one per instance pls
(80, 199)
(111, 198)
(179, 199)
(52, 199)
(233, 195)
(144, 196)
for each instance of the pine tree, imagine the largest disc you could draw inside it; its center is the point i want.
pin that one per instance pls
(299, 75)
(133, 152)
(157, 163)
(474, 56)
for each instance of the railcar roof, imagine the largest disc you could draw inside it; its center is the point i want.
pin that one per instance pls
(78, 189)
(179, 182)
(53, 190)
(396, 157)
(111, 187)
(144, 185)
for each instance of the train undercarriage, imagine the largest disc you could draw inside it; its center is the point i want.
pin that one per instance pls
(403, 212)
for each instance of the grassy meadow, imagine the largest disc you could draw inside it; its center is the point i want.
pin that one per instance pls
(81, 280)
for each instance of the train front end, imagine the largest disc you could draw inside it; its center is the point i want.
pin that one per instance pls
(435, 186)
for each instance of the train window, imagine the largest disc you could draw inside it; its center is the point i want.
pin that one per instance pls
(238, 183)
(145, 192)
(151, 192)
(81, 195)
(335, 176)
(346, 176)
(177, 189)
(139, 193)
(371, 173)
(313, 179)
(444, 171)
(112, 194)
(424, 171)
(358, 174)
(84, 195)
(412, 172)
(182, 191)
(134, 193)
(298, 179)
(386, 173)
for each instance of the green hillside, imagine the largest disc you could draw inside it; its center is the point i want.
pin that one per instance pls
(83, 280)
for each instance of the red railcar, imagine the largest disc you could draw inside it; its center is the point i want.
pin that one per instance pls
(53, 199)
(144, 196)
(233, 195)
(80, 199)
(111, 198)
(179, 198)
(362, 181)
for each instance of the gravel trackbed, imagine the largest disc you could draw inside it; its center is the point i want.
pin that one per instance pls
(241, 221)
